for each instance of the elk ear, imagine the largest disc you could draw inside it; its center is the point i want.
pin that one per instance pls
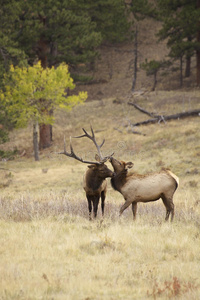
(97, 157)
(91, 166)
(129, 165)
(99, 160)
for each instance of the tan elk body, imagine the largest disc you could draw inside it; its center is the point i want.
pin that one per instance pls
(144, 188)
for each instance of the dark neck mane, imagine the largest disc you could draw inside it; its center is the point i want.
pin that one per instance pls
(93, 181)
(119, 180)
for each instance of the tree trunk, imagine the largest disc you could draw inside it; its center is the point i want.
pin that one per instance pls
(181, 71)
(35, 141)
(198, 67)
(155, 81)
(135, 60)
(188, 65)
(188, 60)
(45, 136)
(45, 129)
(198, 50)
(42, 50)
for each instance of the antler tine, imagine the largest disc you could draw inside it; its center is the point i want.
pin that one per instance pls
(107, 157)
(65, 151)
(97, 146)
(92, 131)
(72, 150)
(83, 135)
(102, 143)
(92, 137)
(73, 155)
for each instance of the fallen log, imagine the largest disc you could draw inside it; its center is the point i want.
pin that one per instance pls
(163, 118)
(142, 110)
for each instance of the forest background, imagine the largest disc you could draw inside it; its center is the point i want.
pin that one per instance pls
(76, 32)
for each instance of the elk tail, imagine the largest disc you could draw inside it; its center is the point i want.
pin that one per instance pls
(175, 177)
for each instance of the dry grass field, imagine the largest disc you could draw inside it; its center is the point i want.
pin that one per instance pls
(48, 247)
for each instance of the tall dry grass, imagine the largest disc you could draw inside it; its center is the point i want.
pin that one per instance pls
(68, 257)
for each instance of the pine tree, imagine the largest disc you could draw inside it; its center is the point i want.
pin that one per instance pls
(181, 21)
(152, 68)
(110, 17)
(10, 51)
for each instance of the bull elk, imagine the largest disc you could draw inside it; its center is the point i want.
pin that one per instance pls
(144, 188)
(94, 181)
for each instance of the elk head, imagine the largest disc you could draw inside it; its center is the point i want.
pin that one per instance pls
(120, 166)
(101, 170)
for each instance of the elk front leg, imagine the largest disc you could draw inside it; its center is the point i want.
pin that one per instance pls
(134, 209)
(89, 207)
(126, 204)
(95, 205)
(103, 196)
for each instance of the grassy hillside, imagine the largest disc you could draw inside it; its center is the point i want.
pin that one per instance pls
(49, 249)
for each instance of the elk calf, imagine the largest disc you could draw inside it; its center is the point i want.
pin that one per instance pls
(144, 188)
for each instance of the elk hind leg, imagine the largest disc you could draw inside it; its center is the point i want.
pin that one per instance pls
(168, 202)
(172, 210)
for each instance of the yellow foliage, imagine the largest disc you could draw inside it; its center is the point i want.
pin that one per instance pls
(31, 92)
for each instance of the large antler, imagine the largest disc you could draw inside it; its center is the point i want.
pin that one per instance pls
(73, 155)
(92, 137)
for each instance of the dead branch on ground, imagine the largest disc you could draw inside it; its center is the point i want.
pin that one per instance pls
(163, 118)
